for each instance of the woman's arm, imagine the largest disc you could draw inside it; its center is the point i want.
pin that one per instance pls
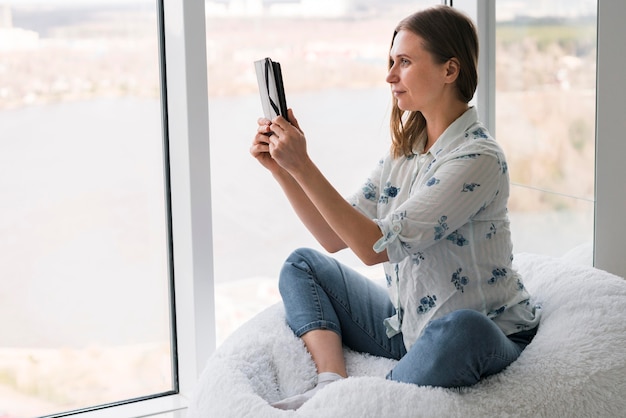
(308, 213)
(307, 185)
(302, 205)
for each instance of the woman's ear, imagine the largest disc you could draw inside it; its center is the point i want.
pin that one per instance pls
(453, 67)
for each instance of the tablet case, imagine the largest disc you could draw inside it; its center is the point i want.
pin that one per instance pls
(270, 80)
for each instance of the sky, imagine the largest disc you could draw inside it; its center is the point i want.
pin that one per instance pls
(566, 8)
(69, 2)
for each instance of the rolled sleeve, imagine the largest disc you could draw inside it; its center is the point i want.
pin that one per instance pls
(390, 231)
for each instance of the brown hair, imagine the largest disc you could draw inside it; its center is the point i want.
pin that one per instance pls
(447, 33)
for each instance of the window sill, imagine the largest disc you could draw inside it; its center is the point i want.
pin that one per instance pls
(172, 406)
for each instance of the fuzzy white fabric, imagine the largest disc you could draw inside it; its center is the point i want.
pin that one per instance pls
(575, 367)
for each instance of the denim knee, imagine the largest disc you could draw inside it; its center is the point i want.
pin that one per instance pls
(300, 259)
(461, 323)
(307, 306)
(456, 350)
(458, 329)
(455, 330)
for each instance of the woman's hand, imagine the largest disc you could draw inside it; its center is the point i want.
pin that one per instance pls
(280, 144)
(288, 144)
(260, 148)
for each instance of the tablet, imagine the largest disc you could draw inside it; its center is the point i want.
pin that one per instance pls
(271, 88)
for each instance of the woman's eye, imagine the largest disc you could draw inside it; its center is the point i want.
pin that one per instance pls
(404, 61)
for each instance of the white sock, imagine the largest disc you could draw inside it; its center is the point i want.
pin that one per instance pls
(296, 401)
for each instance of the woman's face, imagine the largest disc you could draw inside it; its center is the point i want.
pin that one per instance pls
(417, 81)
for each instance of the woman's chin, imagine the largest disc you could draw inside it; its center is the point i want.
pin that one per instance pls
(404, 106)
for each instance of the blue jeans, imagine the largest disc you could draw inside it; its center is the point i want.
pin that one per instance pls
(455, 350)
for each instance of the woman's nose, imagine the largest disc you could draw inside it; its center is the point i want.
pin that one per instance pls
(391, 76)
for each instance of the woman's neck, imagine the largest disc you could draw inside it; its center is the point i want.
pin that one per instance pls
(438, 122)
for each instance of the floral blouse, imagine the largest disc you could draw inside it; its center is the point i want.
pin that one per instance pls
(443, 216)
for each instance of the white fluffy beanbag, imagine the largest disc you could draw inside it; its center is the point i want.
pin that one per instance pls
(575, 367)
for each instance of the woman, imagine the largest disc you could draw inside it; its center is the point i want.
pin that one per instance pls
(433, 212)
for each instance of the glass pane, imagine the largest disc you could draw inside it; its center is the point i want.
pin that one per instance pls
(334, 62)
(84, 276)
(545, 120)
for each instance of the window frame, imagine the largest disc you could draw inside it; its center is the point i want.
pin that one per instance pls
(190, 186)
(484, 15)
(185, 119)
(610, 198)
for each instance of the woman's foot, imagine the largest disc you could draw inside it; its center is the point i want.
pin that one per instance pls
(296, 401)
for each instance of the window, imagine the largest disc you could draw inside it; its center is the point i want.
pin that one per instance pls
(86, 312)
(190, 174)
(537, 94)
(545, 100)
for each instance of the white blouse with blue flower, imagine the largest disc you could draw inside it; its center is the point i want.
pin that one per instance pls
(443, 216)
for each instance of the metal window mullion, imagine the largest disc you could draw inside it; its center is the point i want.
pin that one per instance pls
(189, 161)
(610, 197)
(483, 12)
(486, 92)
